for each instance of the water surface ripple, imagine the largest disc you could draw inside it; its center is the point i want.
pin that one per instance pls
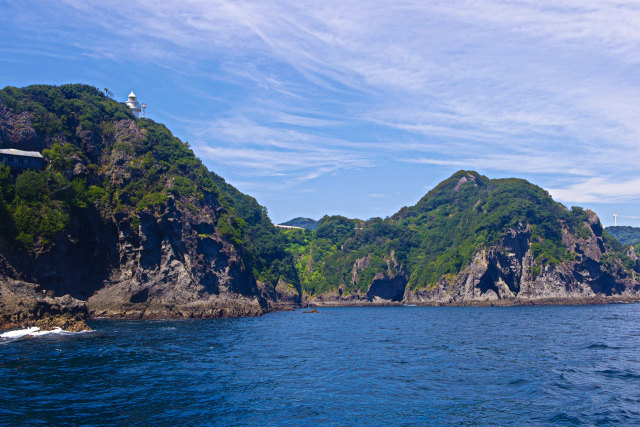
(343, 366)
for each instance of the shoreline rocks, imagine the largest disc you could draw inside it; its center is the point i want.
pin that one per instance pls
(24, 305)
(587, 300)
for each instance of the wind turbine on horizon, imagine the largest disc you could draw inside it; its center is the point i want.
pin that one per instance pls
(615, 219)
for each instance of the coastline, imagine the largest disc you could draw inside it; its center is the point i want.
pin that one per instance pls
(77, 323)
(590, 300)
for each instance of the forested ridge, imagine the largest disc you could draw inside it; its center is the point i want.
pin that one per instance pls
(101, 158)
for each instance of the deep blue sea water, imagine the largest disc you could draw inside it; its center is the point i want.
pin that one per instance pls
(561, 365)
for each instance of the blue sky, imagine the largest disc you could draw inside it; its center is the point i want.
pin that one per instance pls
(360, 107)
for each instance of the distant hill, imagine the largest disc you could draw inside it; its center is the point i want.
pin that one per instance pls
(307, 223)
(469, 240)
(625, 234)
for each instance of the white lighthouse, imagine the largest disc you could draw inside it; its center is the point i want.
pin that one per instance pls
(133, 104)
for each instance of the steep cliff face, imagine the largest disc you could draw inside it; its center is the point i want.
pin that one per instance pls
(170, 263)
(508, 273)
(126, 222)
(174, 264)
(17, 130)
(470, 241)
(130, 224)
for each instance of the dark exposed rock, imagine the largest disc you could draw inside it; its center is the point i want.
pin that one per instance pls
(24, 305)
(166, 268)
(387, 288)
(17, 130)
(169, 260)
(161, 268)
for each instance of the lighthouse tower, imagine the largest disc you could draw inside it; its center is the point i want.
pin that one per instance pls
(133, 104)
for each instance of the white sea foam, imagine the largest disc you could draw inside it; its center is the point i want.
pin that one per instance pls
(19, 333)
(53, 331)
(35, 332)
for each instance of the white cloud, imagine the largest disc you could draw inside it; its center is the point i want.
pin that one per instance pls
(598, 190)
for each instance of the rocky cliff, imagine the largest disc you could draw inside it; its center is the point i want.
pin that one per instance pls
(125, 221)
(509, 274)
(469, 241)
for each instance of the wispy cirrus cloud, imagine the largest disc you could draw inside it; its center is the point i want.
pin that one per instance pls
(507, 86)
(289, 152)
(598, 190)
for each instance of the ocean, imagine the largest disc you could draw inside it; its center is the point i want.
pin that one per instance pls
(547, 365)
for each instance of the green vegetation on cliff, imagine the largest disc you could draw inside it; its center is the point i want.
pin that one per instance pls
(99, 157)
(625, 234)
(435, 238)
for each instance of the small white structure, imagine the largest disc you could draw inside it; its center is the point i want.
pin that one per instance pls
(133, 104)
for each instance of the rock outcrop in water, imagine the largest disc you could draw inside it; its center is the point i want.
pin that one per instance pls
(23, 304)
(125, 221)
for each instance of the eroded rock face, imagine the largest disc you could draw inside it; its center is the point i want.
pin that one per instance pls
(174, 264)
(284, 296)
(508, 273)
(16, 129)
(505, 274)
(386, 288)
